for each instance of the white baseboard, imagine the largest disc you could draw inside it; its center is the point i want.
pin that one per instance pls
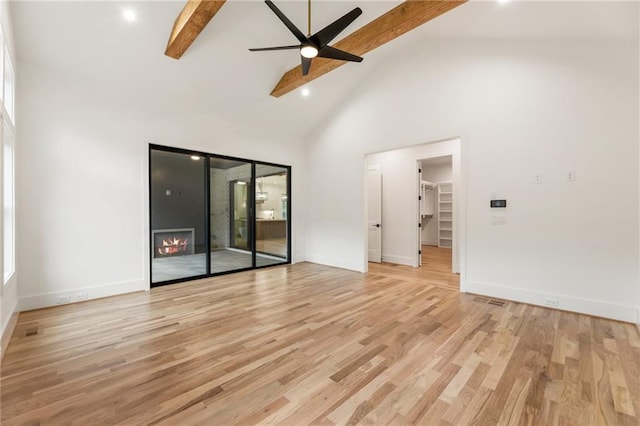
(7, 329)
(46, 300)
(581, 305)
(336, 262)
(13, 310)
(298, 257)
(400, 260)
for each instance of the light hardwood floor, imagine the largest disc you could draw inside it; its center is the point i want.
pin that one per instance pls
(274, 246)
(435, 269)
(309, 344)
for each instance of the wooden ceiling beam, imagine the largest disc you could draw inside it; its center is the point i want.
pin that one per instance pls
(195, 15)
(399, 20)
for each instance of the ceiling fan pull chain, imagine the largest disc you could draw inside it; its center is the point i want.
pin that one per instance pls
(309, 18)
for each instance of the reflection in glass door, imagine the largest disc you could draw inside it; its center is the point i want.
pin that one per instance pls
(271, 222)
(240, 192)
(230, 212)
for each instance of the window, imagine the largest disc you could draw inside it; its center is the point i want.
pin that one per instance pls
(2, 48)
(7, 97)
(9, 85)
(8, 203)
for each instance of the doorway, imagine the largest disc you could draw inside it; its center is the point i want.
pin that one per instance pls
(436, 212)
(401, 224)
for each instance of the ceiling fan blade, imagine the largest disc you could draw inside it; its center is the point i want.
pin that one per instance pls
(333, 53)
(328, 33)
(261, 49)
(306, 64)
(296, 32)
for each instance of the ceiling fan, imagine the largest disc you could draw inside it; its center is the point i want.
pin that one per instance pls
(318, 44)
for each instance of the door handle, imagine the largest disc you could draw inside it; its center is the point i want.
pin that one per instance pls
(377, 225)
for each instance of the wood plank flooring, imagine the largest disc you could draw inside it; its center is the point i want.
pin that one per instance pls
(435, 269)
(309, 344)
(274, 246)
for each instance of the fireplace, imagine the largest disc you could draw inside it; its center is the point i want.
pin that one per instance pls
(172, 242)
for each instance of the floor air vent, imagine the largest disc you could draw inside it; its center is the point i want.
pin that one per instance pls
(495, 302)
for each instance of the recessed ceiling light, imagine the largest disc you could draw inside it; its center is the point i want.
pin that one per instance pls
(195, 157)
(129, 15)
(305, 92)
(503, 1)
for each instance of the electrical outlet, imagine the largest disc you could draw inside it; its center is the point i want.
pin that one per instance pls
(571, 176)
(537, 179)
(551, 302)
(63, 299)
(81, 296)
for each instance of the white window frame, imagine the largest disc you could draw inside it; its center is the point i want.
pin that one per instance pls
(8, 202)
(8, 72)
(8, 142)
(2, 55)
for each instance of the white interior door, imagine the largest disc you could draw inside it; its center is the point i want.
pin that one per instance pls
(374, 186)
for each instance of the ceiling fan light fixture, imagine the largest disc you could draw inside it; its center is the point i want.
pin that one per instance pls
(308, 51)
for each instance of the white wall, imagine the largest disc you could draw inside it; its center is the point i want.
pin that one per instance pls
(399, 197)
(435, 172)
(521, 108)
(9, 291)
(83, 183)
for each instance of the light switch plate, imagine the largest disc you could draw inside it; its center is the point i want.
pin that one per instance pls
(499, 220)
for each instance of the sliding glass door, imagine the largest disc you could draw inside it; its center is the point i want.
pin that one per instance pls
(211, 214)
(271, 225)
(178, 216)
(230, 213)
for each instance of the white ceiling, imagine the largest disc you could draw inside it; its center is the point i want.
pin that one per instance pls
(91, 43)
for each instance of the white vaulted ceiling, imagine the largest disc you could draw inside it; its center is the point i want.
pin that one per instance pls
(89, 42)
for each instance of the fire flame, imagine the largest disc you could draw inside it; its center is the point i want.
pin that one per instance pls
(173, 246)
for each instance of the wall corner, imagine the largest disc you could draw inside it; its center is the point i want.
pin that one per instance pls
(8, 330)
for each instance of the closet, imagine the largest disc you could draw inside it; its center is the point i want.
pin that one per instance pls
(445, 214)
(436, 202)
